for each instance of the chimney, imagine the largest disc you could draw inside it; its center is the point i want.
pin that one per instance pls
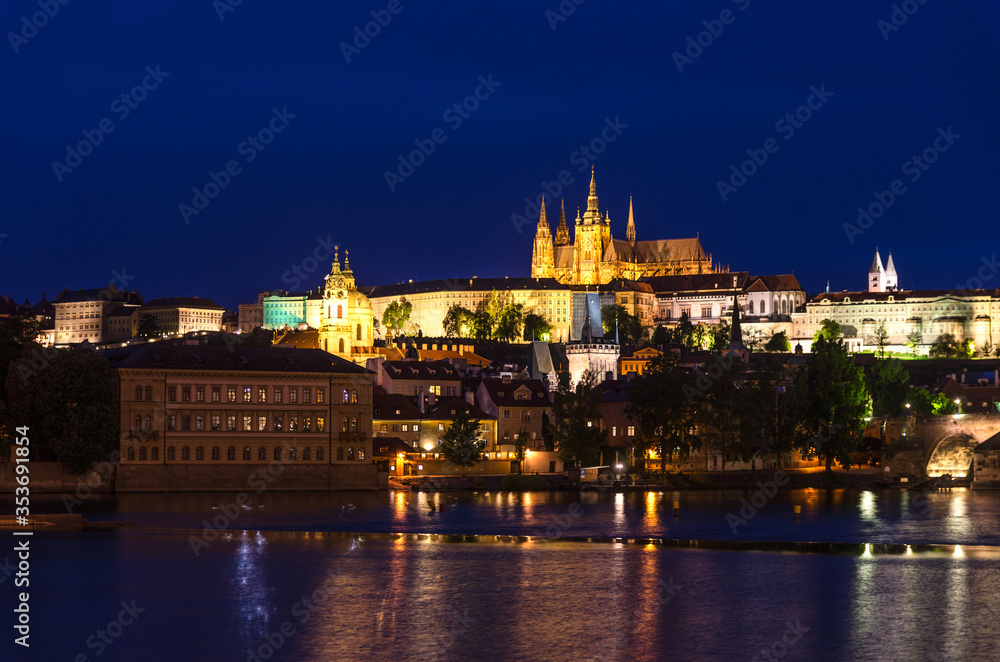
(470, 397)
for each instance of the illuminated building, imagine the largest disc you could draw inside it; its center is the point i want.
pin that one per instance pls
(638, 362)
(180, 315)
(82, 315)
(514, 404)
(592, 353)
(595, 257)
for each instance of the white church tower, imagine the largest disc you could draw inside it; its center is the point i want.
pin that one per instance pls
(891, 280)
(876, 275)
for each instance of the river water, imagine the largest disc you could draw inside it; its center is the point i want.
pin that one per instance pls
(382, 576)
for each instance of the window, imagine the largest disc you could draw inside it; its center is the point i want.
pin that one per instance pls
(246, 394)
(293, 395)
(248, 423)
(526, 416)
(147, 423)
(763, 307)
(631, 430)
(345, 395)
(170, 453)
(354, 396)
(320, 396)
(199, 423)
(246, 453)
(293, 423)
(138, 393)
(277, 453)
(186, 393)
(307, 424)
(231, 394)
(215, 452)
(279, 423)
(185, 423)
(261, 423)
(406, 427)
(142, 453)
(359, 332)
(319, 453)
(261, 453)
(231, 453)
(343, 425)
(293, 453)
(320, 424)
(199, 394)
(384, 428)
(199, 453)
(340, 453)
(279, 394)
(154, 454)
(216, 394)
(231, 423)
(216, 422)
(305, 453)
(131, 453)
(440, 426)
(350, 454)
(138, 423)
(614, 430)
(172, 394)
(506, 413)
(185, 453)
(149, 393)
(435, 389)
(395, 428)
(361, 453)
(307, 395)
(261, 394)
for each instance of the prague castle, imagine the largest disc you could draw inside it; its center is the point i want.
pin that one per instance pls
(593, 257)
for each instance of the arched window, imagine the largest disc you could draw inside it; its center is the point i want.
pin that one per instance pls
(354, 423)
(359, 332)
(361, 453)
(277, 453)
(138, 393)
(293, 453)
(230, 453)
(185, 453)
(763, 307)
(215, 452)
(142, 453)
(149, 392)
(261, 453)
(154, 454)
(776, 306)
(170, 453)
(343, 427)
(340, 453)
(326, 345)
(199, 453)
(138, 423)
(350, 453)
(341, 345)
(784, 304)
(305, 453)
(131, 453)
(354, 396)
(319, 453)
(246, 453)
(147, 424)
(587, 248)
(750, 307)
(340, 311)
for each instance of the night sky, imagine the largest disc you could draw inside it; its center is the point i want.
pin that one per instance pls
(886, 92)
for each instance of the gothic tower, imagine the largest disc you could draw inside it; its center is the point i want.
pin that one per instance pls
(891, 279)
(630, 232)
(876, 275)
(592, 237)
(542, 259)
(562, 232)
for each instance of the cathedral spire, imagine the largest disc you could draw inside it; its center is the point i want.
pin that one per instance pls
(543, 221)
(593, 214)
(630, 232)
(562, 232)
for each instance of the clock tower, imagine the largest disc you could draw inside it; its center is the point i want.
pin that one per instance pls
(347, 321)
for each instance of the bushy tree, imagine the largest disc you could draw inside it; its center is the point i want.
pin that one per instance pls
(829, 329)
(536, 328)
(913, 340)
(576, 419)
(396, 315)
(776, 404)
(458, 321)
(888, 383)
(778, 342)
(720, 336)
(662, 336)
(720, 409)
(148, 327)
(659, 403)
(461, 444)
(630, 330)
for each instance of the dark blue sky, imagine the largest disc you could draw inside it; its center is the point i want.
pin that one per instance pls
(324, 174)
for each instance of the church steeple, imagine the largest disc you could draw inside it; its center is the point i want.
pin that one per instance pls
(542, 259)
(630, 232)
(593, 214)
(562, 232)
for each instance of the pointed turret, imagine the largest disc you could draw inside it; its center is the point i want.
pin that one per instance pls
(562, 232)
(736, 333)
(336, 261)
(876, 275)
(891, 278)
(593, 214)
(630, 231)
(542, 257)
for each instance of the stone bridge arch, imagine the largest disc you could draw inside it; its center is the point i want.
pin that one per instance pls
(952, 455)
(934, 445)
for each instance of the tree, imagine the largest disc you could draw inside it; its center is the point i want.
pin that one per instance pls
(778, 342)
(521, 448)
(662, 336)
(913, 340)
(880, 338)
(888, 384)
(536, 328)
(576, 417)
(509, 322)
(396, 315)
(987, 349)
(920, 401)
(837, 402)
(829, 329)
(461, 444)
(68, 403)
(148, 328)
(775, 404)
(660, 404)
(720, 336)
(721, 408)
(458, 321)
(685, 331)
(753, 338)
(629, 327)
(947, 346)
